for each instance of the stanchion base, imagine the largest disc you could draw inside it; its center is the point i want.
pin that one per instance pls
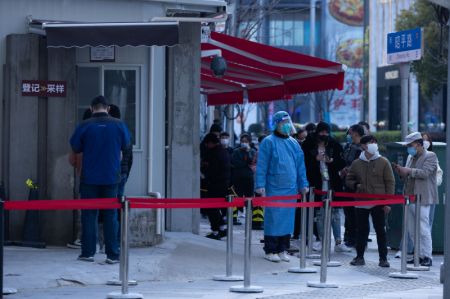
(321, 285)
(249, 289)
(329, 264)
(313, 256)
(418, 268)
(228, 278)
(119, 295)
(403, 275)
(302, 270)
(9, 291)
(119, 282)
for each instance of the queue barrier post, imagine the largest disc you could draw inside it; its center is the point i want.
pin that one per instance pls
(124, 256)
(303, 268)
(417, 266)
(118, 282)
(229, 262)
(310, 254)
(5, 291)
(247, 287)
(325, 247)
(403, 273)
(327, 237)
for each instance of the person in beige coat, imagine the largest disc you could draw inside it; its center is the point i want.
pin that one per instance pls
(372, 174)
(419, 175)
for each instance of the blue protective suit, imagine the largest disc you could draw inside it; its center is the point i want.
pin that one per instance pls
(280, 170)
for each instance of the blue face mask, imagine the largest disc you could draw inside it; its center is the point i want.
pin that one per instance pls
(286, 129)
(349, 139)
(412, 151)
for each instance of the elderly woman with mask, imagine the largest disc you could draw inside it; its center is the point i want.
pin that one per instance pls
(280, 170)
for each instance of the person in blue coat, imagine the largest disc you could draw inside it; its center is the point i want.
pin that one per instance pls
(280, 170)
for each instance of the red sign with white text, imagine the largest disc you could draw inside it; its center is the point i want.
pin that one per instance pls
(37, 88)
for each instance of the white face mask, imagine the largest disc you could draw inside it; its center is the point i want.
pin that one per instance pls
(224, 141)
(372, 148)
(245, 145)
(426, 144)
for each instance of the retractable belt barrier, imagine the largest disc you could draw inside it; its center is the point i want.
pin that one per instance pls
(286, 201)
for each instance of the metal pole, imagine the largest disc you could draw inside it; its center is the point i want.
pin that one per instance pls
(312, 52)
(311, 255)
(5, 291)
(303, 268)
(404, 76)
(229, 262)
(123, 235)
(417, 266)
(247, 288)
(325, 250)
(403, 273)
(327, 237)
(447, 183)
(124, 256)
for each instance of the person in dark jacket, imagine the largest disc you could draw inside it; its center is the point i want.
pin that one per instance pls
(323, 161)
(216, 168)
(127, 155)
(352, 151)
(243, 164)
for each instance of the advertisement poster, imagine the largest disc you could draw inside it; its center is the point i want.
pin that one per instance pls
(344, 35)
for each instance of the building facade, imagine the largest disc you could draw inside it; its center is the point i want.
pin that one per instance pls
(155, 83)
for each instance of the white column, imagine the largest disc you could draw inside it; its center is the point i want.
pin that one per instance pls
(373, 50)
(413, 103)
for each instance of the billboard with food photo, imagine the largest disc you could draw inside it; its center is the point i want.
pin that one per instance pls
(344, 37)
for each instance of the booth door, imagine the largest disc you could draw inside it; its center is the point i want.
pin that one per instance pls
(121, 85)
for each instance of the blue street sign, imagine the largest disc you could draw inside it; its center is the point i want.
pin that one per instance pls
(404, 46)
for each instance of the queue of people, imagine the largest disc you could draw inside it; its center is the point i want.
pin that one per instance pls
(289, 161)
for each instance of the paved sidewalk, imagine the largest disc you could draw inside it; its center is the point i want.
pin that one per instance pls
(183, 265)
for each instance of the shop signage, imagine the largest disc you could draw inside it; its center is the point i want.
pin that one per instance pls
(404, 46)
(37, 88)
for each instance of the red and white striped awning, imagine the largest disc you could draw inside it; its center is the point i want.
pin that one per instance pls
(263, 73)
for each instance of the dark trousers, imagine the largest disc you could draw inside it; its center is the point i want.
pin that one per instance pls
(216, 215)
(350, 225)
(362, 221)
(276, 244)
(89, 222)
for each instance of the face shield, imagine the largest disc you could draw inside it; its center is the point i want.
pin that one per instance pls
(284, 123)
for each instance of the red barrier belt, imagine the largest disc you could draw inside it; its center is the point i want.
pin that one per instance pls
(283, 197)
(264, 203)
(79, 204)
(140, 205)
(320, 192)
(367, 203)
(365, 195)
(174, 200)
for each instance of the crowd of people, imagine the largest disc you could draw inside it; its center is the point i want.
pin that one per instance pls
(290, 160)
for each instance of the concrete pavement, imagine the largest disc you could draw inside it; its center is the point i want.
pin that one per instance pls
(183, 267)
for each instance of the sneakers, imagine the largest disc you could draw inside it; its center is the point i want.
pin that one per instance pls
(284, 256)
(358, 261)
(222, 233)
(398, 254)
(75, 244)
(272, 257)
(426, 262)
(384, 263)
(317, 246)
(341, 248)
(112, 261)
(85, 258)
(213, 235)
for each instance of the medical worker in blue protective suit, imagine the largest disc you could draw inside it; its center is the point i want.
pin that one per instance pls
(280, 170)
